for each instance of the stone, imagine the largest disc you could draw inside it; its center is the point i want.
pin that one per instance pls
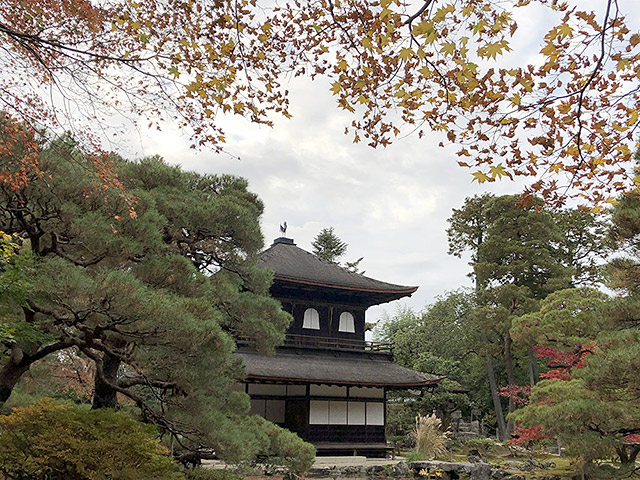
(499, 474)
(476, 471)
(402, 469)
(375, 470)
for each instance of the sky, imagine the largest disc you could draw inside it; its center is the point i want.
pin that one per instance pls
(389, 204)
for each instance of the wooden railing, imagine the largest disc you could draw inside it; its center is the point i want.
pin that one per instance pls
(328, 343)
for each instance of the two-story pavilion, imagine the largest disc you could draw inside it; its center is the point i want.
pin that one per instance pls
(326, 383)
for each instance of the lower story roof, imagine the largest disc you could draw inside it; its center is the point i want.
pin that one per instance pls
(332, 368)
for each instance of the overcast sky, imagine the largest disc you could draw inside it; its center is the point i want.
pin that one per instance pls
(390, 205)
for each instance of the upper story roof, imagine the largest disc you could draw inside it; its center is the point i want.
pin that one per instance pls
(294, 266)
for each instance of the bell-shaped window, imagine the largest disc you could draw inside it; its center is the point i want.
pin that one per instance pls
(347, 324)
(311, 319)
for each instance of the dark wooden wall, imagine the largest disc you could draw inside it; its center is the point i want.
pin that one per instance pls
(329, 320)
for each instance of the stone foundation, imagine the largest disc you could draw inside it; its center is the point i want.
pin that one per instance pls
(423, 470)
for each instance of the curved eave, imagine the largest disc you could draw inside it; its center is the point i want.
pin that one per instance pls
(274, 379)
(332, 368)
(403, 292)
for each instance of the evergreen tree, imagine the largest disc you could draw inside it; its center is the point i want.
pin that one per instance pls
(328, 246)
(519, 254)
(153, 285)
(441, 339)
(589, 400)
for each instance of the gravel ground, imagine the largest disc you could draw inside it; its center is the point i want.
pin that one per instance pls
(324, 462)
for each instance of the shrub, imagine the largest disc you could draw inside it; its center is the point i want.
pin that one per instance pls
(48, 441)
(287, 449)
(482, 445)
(431, 440)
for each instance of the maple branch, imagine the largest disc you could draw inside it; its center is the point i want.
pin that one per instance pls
(241, 48)
(584, 89)
(37, 40)
(344, 30)
(425, 5)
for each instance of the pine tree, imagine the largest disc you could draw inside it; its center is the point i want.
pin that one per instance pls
(153, 286)
(328, 246)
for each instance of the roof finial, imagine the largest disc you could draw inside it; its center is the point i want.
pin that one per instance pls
(283, 228)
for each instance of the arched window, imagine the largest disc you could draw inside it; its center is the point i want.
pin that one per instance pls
(311, 319)
(347, 323)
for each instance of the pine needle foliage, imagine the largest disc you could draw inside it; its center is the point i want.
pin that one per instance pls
(328, 246)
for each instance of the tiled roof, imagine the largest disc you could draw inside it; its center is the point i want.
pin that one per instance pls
(293, 264)
(343, 369)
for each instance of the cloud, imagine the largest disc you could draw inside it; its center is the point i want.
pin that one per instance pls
(390, 205)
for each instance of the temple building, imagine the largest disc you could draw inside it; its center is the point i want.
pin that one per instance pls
(326, 382)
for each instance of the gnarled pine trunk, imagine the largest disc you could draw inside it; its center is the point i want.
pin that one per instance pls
(104, 395)
(17, 365)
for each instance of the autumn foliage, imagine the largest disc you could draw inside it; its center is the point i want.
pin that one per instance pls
(47, 441)
(566, 119)
(560, 364)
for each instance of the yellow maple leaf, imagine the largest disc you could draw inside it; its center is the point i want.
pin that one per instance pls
(336, 88)
(564, 30)
(527, 84)
(492, 50)
(422, 28)
(498, 171)
(468, 9)
(480, 177)
(266, 28)
(406, 54)
(448, 48)
(623, 64)
(550, 51)
(424, 71)
(441, 13)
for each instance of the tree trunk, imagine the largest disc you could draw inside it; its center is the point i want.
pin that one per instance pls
(511, 378)
(19, 363)
(628, 454)
(104, 395)
(11, 372)
(493, 385)
(534, 371)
